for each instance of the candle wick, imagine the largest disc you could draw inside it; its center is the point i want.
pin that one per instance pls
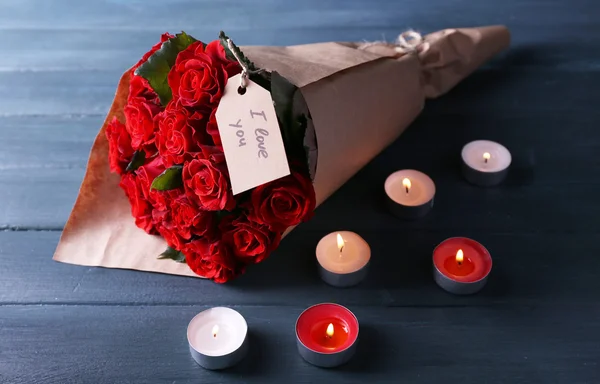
(407, 189)
(485, 160)
(459, 262)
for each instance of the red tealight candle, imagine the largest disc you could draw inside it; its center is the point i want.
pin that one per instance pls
(461, 265)
(327, 334)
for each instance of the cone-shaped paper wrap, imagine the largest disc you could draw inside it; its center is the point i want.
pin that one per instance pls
(361, 98)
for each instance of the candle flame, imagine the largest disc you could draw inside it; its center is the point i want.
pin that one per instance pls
(340, 242)
(406, 183)
(329, 330)
(215, 330)
(486, 156)
(459, 256)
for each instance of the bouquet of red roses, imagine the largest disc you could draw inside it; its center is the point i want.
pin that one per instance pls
(221, 151)
(170, 157)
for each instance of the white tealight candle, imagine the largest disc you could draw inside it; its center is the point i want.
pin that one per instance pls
(409, 193)
(485, 162)
(218, 338)
(343, 258)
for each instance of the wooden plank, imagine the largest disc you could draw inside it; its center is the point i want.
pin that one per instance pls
(527, 17)
(57, 93)
(358, 204)
(509, 92)
(81, 49)
(43, 142)
(554, 161)
(90, 344)
(38, 198)
(503, 92)
(28, 142)
(66, 34)
(529, 269)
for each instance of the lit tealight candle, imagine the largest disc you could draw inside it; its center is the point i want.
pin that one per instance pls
(343, 258)
(326, 334)
(485, 163)
(409, 193)
(218, 338)
(461, 266)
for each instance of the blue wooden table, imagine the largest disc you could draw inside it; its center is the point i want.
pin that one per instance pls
(537, 320)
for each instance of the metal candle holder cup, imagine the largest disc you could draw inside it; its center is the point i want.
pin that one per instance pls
(343, 280)
(343, 258)
(483, 179)
(318, 355)
(215, 354)
(452, 277)
(485, 163)
(409, 194)
(457, 287)
(221, 362)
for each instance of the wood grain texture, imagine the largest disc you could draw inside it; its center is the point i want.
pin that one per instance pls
(554, 160)
(535, 322)
(527, 271)
(113, 344)
(76, 93)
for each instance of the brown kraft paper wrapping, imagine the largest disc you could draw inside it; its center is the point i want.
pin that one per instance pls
(361, 98)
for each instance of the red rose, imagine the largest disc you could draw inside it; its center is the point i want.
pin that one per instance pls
(211, 260)
(180, 134)
(164, 225)
(284, 202)
(177, 233)
(212, 153)
(160, 200)
(150, 170)
(249, 241)
(119, 146)
(216, 50)
(213, 130)
(168, 230)
(190, 221)
(141, 209)
(139, 115)
(181, 221)
(140, 88)
(197, 79)
(206, 183)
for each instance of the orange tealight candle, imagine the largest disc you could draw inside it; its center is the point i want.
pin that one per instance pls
(409, 193)
(343, 258)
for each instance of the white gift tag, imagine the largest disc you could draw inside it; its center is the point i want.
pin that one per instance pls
(250, 134)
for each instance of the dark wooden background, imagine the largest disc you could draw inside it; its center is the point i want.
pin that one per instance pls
(538, 319)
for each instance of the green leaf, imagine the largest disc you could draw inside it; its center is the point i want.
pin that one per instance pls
(157, 67)
(138, 159)
(173, 254)
(219, 215)
(169, 179)
(292, 125)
